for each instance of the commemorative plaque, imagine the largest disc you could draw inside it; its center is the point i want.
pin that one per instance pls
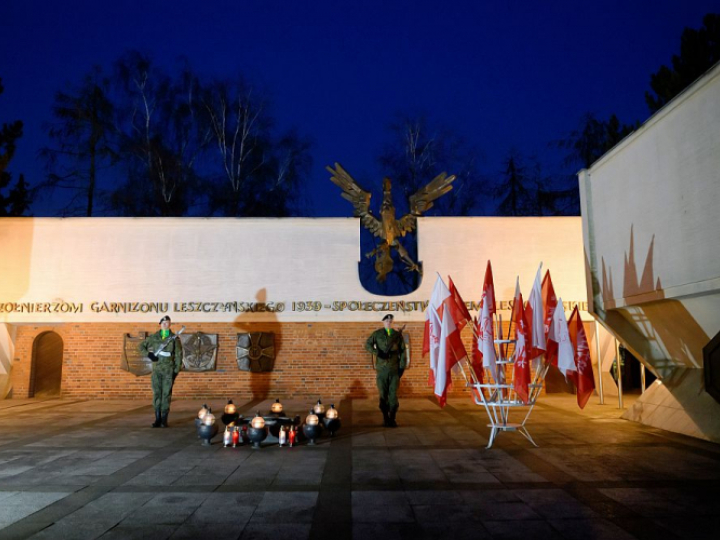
(199, 351)
(256, 351)
(132, 360)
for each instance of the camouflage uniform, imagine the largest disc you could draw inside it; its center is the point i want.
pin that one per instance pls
(389, 366)
(164, 370)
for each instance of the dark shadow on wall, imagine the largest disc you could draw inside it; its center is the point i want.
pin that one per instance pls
(658, 331)
(356, 390)
(251, 322)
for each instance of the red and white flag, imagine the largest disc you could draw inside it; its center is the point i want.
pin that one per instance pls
(584, 379)
(486, 336)
(434, 334)
(563, 356)
(440, 308)
(516, 300)
(438, 299)
(476, 355)
(521, 374)
(550, 301)
(457, 307)
(448, 356)
(534, 317)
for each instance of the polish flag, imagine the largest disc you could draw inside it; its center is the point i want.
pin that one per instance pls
(521, 376)
(558, 335)
(486, 335)
(447, 357)
(459, 310)
(584, 379)
(434, 334)
(476, 363)
(550, 301)
(438, 300)
(534, 318)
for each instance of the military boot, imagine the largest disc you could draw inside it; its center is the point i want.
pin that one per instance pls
(158, 420)
(163, 419)
(391, 417)
(386, 417)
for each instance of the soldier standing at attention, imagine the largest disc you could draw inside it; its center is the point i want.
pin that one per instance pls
(166, 366)
(388, 347)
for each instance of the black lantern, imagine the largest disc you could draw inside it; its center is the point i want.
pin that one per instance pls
(208, 429)
(230, 416)
(332, 420)
(312, 428)
(319, 409)
(276, 408)
(257, 432)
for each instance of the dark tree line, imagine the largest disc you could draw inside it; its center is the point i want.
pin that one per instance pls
(420, 149)
(699, 51)
(524, 191)
(173, 144)
(14, 199)
(136, 139)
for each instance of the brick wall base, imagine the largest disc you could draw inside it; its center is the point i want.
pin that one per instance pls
(312, 360)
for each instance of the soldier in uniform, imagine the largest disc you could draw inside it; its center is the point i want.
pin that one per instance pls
(388, 348)
(166, 366)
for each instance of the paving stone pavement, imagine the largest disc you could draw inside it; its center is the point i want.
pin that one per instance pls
(76, 469)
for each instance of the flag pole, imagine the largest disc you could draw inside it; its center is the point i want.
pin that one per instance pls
(619, 374)
(462, 370)
(642, 378)
(599, 363)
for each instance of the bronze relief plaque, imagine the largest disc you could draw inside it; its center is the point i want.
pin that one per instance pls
(256, 351)
(199, 351)
(132, 360)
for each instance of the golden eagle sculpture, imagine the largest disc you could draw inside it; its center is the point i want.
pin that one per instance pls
(387, 228)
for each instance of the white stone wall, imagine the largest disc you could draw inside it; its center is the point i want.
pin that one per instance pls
(93, 261)
(651, 216)
(7, 353)
(651, 220)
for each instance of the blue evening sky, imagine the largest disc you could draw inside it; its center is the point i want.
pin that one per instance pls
(506, 75)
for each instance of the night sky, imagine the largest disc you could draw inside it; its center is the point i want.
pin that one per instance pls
(505, 75)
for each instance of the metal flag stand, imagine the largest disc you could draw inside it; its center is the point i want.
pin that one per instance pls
(500, 398)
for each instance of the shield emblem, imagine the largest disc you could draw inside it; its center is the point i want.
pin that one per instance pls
(132, 360)
(256, 351)
(199, 351)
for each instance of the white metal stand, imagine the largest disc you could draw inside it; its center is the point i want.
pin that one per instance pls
(500, 398)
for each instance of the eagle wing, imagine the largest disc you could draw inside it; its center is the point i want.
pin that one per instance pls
(422, 200)
(358, 197)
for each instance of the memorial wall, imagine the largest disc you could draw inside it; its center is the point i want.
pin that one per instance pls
(650, 224)
(101, 283)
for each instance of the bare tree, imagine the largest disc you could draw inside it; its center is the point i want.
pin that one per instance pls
(162, 138)
(261, 174)
(82, 134)
(420, 150)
